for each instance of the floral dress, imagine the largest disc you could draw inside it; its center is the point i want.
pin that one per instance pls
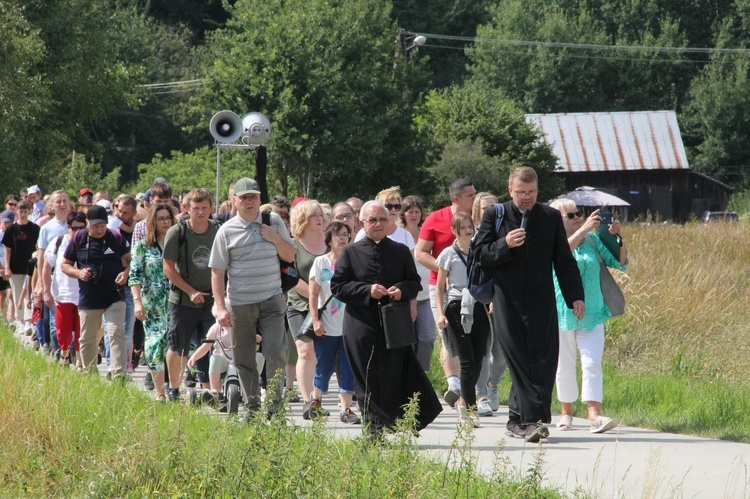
(147, 270)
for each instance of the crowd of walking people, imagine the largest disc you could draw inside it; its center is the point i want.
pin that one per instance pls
(166, 281)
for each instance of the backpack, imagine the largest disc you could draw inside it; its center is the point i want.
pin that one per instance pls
(182, 225)
(481, 283)
(289, 274)
(58, 241)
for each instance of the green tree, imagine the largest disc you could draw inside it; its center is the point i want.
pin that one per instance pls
(562, 79)
(196, 169)
(78, 172)
(476, 133)
(24, 96)
(325, 74)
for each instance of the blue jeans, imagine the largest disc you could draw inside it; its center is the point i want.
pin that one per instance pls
(326, 348)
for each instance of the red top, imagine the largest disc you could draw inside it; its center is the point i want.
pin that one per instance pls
(437, 228)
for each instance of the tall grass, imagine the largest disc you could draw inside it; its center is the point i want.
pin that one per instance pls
(688, 290)
(677, 360)
(64, 434)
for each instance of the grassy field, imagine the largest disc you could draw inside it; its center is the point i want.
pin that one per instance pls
(67, 435)
(678, 360)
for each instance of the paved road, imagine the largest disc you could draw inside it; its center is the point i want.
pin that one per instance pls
(626, 462)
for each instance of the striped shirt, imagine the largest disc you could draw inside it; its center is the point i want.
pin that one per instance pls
(252, 263)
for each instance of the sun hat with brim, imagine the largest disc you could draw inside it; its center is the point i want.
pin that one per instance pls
(246, 186)
(96, 215)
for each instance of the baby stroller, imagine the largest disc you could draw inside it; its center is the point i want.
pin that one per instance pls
(231, 394)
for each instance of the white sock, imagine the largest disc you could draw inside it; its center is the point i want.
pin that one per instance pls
(454, 383)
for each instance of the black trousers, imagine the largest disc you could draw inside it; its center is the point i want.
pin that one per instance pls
(471, 348)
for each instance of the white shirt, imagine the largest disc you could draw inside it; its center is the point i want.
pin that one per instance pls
(64, 288)
(333, 317)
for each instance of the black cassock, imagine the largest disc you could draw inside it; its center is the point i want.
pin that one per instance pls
(524, 308)
(385, 379)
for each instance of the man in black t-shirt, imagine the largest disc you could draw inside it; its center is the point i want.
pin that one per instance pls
(100, 259)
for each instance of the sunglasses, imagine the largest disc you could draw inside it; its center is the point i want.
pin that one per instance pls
(77, 227)
(12, 204)
(573, 215)
(389, 207)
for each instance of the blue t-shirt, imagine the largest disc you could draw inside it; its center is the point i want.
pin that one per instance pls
(104, 257)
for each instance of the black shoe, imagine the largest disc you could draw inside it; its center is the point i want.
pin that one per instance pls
(173, 395)
(536, 432)
(514, 429)
(189, 378)
(148, 381)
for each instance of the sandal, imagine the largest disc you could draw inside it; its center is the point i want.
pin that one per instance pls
(565, 423)
(602, 424)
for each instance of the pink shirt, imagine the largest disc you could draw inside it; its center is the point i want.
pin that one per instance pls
(437, 228)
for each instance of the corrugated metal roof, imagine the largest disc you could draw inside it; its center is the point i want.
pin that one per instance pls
(588, 142)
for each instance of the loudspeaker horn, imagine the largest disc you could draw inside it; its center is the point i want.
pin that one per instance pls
(226, 127)
(256, 129)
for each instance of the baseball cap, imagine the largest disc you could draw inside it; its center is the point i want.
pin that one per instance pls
(7, 216)
(246, 186)
(84, 191)
(96, 214)
(34, 189)
(105, 204)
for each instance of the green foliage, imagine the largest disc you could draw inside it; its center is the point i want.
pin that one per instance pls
(740, 202)
(24, 96)
(79, 172)
(324, 73)
(71, 435)
(476, 133)
(197, 169)
(552, 79)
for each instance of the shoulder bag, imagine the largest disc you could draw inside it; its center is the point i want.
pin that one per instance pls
(306, 328)
(614, 299)
(397, 324)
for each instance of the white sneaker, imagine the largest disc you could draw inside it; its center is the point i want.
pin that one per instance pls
(483, 408)
(493, 399)
(464, 417)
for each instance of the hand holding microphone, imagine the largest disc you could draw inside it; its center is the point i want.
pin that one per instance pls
(517, 237)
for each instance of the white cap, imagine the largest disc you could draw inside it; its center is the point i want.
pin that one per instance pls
(105, 204)
(34, 189)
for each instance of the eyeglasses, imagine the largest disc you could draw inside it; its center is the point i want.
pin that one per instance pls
(343, 235)
(571, 216)
(390, 206)
(77, 227)
(348, 216)
(375, 221)
(163, 219)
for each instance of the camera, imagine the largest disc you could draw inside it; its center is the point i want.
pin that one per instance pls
(606, 218)
(95, 275)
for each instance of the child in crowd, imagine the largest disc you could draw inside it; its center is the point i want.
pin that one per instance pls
(220, 358)
(465, 319)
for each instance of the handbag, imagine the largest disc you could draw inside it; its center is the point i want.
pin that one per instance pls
(614, 299)
(306, 328)
(397, 324)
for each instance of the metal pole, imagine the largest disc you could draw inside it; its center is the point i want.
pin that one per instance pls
(218, 178)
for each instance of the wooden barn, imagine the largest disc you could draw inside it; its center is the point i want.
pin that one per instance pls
(636, 156)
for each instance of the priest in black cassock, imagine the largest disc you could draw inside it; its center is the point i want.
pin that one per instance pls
(521, 261)
(372, 271)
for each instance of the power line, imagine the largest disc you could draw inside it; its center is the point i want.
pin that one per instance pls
(586, 46)
(592, 57)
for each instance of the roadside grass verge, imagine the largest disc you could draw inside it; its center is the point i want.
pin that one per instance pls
(64, 434)
(675, 403)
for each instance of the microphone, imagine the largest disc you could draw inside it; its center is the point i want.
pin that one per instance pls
(524, 219)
